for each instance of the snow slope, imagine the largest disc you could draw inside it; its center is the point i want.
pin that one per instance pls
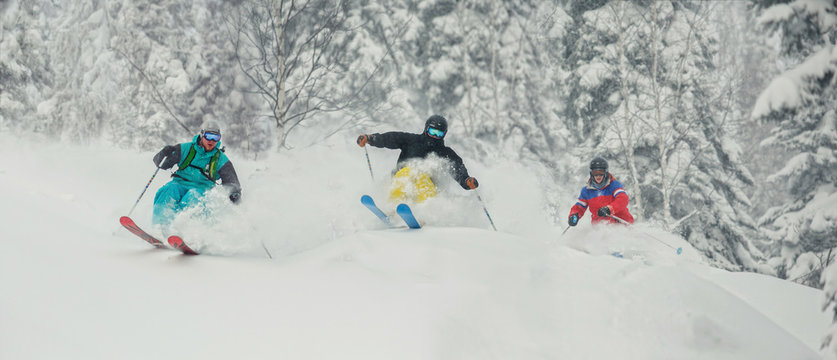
(76, 285)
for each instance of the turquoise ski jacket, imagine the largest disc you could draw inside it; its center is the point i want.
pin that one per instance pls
(199, 172)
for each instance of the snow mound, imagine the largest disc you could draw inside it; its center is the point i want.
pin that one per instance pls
(340, 286)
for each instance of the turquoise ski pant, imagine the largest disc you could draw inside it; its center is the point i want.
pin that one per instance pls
(171, 199)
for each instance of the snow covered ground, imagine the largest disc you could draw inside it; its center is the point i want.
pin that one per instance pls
(75, 285)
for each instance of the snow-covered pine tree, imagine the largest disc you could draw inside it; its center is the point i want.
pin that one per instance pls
(219, 88)
(181, 68)
(531, 69)
(394, 27)
(87, 99)
(717, 179)
(749, 60)
(25, 73)
(491, 67)
(430, 50)
(799, 103)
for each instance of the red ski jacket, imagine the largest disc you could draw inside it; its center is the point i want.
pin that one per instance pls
(612, 196)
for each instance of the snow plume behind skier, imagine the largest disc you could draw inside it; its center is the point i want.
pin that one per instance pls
(420, 161)
(607, 199)
(603, 195)
(193, 189)
(201, 163)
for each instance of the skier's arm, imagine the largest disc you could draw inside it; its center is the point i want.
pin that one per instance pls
(580, 206)
(389, 140)
(171, 153)
(460, 172)
(620, 200)
(229, 179)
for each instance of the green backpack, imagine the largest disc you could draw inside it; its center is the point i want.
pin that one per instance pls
(213, 163)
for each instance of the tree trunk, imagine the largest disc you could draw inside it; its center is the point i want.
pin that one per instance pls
(470, 123)
(496, 91)
(628, 139)
(664, 187)
(279, 75)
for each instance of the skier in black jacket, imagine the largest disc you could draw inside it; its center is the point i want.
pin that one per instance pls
(419, 146)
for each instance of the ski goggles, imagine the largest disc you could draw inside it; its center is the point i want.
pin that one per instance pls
(435, 132)
(212, 136)
(597, 173)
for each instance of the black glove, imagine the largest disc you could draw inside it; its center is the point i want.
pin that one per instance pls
(604, 211)
(168, 154)
(573, 220)
(235, 197)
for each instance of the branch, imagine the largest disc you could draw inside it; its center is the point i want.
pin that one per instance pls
(156, 95)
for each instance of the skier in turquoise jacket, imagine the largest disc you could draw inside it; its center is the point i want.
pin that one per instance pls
(201, 163)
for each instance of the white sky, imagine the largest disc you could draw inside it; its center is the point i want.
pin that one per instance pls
(76, 285)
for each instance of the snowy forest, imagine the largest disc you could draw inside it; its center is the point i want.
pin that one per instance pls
(718, 116)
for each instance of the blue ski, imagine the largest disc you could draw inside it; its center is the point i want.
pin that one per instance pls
(367, 201)
(407, 214)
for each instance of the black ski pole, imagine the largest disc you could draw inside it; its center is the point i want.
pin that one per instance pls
(678, 250)
(369, 163)
(266, 251)
(485, 210)
(146, 188)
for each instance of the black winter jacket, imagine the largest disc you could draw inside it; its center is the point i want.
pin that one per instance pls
(419, 146)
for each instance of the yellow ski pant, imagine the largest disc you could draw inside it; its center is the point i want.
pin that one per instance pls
(411, 186)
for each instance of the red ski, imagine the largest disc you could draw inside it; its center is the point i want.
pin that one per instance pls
(177, 243)
(134, 229)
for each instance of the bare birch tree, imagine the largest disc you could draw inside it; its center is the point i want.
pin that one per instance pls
(652, 108)
(295, 55)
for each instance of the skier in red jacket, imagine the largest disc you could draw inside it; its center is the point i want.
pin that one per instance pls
(604, 195)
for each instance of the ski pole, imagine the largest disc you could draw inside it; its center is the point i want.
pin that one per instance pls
(146, 188)
(484, 209)
(266, 251)
(614, 217)
(679, 249)
(369, 163)
(565, 230)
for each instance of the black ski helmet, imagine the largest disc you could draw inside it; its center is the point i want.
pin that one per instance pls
(437, 122)
(598, 164)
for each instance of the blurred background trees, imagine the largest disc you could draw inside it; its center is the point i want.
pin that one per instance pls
(717, 116)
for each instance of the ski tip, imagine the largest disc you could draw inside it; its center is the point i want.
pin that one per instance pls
(679, 250)
(177, 243)
(404, 211)
(125, 220)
